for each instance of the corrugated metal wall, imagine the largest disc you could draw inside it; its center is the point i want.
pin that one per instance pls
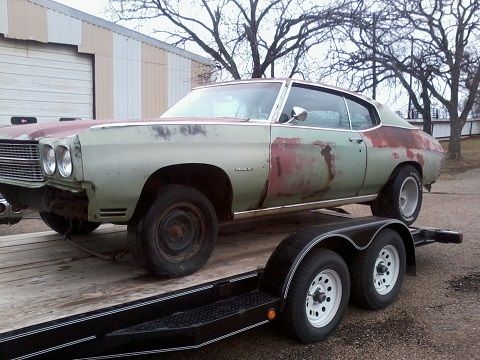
(154, 81)
(179, 77)
(27, 21)
(127, 79)
(133, 77)
(3, 16)
(63, 29)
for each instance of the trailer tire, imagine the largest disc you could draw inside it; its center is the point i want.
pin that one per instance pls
(378, 271)
(178, 233)
(317, 297)
(61, 224)
(402, 197)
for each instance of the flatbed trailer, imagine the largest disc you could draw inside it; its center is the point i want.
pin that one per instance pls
(58, 301)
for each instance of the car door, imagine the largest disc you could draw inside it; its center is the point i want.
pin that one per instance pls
(318, 159)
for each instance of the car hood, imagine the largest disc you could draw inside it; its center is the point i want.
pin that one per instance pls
(35, 132)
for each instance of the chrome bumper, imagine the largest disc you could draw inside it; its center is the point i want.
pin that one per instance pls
(8, 215)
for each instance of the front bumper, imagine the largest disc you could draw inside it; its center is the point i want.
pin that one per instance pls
(8, 214)
(73, 204)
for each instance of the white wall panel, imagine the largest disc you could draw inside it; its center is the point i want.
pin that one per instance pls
(63, 29)
(3, 17)
(44, 81)
(179, 77)
(127, 77)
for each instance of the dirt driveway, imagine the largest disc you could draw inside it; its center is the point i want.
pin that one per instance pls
(436, 317)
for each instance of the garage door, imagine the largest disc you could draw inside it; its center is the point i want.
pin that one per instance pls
(44, 81)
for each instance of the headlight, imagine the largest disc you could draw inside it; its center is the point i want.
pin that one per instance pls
(48, 160)
(64, 161)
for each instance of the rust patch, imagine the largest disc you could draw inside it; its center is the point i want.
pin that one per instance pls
(261, 200)
(393, 137)
(415, 155)
(162, 132)
(279, 166)
(190, 130)
(296, 170)
(329, 159)
(77, 150)
(287, 173)
(326, 152)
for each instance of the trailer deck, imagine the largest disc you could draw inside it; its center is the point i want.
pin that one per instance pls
(56, 299)
(44, 278)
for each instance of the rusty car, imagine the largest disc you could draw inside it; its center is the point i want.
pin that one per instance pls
(224, 152)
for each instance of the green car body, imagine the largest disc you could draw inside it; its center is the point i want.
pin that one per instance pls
(246, 166)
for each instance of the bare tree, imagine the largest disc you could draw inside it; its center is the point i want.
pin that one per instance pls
(376, 53)
(247, 38)
(444, 63)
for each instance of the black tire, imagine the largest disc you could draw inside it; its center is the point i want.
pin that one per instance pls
(61, 224)
(177, 235)
(388, 203)
(295, 318)
(134, 233)
(366, 266)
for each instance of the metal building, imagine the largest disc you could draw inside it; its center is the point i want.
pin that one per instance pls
(58, 62)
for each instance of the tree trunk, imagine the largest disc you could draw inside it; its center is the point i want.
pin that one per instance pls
(427, 109)
(455, 143)
(427, 123)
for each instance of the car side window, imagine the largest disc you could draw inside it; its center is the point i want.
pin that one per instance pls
(361, 116)
(325, 109)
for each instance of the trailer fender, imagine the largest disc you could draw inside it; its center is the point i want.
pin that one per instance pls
(344, 237)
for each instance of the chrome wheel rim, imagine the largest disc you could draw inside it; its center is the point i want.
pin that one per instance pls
(386, 270)
(408, 197)
(323, 298)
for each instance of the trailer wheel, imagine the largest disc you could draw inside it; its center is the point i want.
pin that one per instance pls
(61, 224)
(378, 271)
(402, 197)
(318, 296)
(177, 235)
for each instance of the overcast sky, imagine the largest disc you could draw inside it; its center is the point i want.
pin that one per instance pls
(93, 7)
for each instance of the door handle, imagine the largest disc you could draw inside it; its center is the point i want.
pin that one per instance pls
(357, 140)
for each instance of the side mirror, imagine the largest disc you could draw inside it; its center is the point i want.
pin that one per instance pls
(299, 114)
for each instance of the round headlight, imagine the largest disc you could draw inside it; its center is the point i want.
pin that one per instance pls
(48, 160)
(64, 161)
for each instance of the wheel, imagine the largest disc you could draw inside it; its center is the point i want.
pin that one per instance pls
(378, 271)
(177, 235)
(318, 296)
(402, 197)
(61, 224)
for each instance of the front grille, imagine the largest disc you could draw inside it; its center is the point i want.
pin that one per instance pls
(20, 161)
(19, 151)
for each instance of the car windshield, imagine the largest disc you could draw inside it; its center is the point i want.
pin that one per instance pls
(253, 100)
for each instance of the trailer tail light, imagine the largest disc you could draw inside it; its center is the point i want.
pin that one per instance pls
(271, 314)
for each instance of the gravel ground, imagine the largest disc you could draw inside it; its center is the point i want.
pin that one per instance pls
(437, 315)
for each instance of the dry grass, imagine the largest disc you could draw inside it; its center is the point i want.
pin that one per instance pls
(470, 156)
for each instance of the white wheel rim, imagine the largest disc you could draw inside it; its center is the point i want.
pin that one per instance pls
(408, 197)
(385, 272)
(323, 298)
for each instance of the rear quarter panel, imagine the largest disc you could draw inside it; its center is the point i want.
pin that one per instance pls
(390, 146)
